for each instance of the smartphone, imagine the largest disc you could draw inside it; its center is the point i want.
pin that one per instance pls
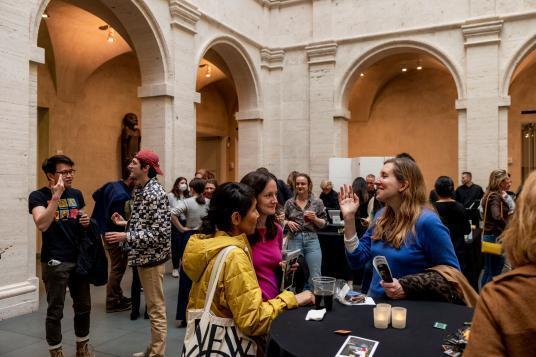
(382, 267)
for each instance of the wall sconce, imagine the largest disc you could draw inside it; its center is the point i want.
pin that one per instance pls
(111, 32)
(208, 72)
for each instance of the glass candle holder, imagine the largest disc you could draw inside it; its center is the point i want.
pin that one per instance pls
(398, 317)
(385, 307)
(381, 318)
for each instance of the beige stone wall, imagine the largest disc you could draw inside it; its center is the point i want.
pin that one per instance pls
(414, 113)
(86, 126)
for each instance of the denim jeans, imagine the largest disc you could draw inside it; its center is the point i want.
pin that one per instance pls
(310, 247)
(493, 264)
(57, 279)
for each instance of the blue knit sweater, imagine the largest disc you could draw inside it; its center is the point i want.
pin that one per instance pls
(431, 246)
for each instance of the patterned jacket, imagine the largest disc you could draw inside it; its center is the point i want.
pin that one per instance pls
(149, 227)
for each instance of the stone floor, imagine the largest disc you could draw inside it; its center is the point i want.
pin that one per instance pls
(111, 334)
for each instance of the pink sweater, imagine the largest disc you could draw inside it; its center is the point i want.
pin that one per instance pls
(266, 255)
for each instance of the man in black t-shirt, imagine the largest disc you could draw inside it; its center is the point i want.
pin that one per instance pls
(469, 195)
(56, 211)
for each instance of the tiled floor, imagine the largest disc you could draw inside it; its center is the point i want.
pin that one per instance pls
(111, 334)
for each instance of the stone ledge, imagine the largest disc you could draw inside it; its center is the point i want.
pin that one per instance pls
(272, 58)
(321, 52)
(254, 114)
(184, 15)
(482, 33)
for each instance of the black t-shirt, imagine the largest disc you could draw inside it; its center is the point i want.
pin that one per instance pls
(60, 240)
(469, 195)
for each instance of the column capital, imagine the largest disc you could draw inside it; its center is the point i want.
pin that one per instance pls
(156, 90)
(253, 114)
(482, 32)
(37, 55)
(341, 114)
(321, 52)
(184, 15)
(272, 58)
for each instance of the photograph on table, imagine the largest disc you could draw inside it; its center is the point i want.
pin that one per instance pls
(355, 346)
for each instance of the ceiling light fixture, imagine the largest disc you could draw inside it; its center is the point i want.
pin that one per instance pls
(419, 65)
(209, 71)
(45, 15)
(404, 69)
(111, 35)
(362, 74)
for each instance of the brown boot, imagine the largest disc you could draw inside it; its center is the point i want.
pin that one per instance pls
(56, 352)
(83, 349)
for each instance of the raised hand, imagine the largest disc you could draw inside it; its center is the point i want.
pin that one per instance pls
(58, 188)
(348, 201)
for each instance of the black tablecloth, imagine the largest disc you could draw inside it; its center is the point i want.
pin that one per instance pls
(291, 335)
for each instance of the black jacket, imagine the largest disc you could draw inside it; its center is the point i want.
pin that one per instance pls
(92, 262)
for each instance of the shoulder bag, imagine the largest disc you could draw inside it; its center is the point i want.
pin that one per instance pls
(489, 247)
(210, 335)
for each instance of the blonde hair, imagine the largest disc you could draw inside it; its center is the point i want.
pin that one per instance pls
(394, 227)
(496, 177)
(519, 238)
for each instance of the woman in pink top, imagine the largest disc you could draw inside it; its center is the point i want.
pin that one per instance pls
(267, 242)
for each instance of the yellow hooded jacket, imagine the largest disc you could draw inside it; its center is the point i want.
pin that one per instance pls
(238, 294)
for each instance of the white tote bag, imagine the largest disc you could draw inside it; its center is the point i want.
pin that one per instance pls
(210, 335)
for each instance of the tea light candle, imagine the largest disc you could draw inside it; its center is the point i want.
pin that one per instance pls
(385, 307)
(381, 317)
(399, 317)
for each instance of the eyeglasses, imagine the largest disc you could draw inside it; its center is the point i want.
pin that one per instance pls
(66, 172)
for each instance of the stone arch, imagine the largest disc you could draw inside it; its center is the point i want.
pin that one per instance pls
(248, 90)
(522, 52)
(243, 71)
(387, 49)
(141, 27)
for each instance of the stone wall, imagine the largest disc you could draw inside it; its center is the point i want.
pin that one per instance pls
(293, 62)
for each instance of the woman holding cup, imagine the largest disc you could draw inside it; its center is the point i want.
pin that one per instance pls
(304, 216)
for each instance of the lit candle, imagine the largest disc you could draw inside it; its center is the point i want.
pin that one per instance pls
(398, 317)
(381, 317)
(385, 307)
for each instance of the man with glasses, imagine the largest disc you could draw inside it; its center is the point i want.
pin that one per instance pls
(57, 213)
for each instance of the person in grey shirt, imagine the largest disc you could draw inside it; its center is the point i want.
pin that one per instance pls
(194, 209)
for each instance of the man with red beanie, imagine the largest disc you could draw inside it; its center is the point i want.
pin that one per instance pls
(148, 234)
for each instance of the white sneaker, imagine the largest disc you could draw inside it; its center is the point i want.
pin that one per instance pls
(175, 273)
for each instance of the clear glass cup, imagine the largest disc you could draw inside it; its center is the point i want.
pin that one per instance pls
(324, 289)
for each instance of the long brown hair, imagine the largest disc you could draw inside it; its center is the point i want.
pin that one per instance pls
(394, 227)
(519, 237)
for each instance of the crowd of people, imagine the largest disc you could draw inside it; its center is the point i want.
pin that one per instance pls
(436, 246)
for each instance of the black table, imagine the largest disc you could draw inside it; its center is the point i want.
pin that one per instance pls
(291, 335)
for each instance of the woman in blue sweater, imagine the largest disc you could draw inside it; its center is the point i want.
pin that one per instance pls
(410, 236)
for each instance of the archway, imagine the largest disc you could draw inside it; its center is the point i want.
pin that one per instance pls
(228, 116)
(100, 62)
(520, 83)
(403, 99)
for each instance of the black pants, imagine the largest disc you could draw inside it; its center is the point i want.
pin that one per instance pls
(175, 243)
(57, 279)
(185, 284)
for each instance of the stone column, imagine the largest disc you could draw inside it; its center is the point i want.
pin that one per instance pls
(485, 129)
(184, 17)
(250, 141)
(322, 129)
(272, 67)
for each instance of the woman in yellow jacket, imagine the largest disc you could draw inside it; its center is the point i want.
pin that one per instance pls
(232, 216)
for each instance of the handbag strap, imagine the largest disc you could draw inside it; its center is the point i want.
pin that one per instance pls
(214, 276)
